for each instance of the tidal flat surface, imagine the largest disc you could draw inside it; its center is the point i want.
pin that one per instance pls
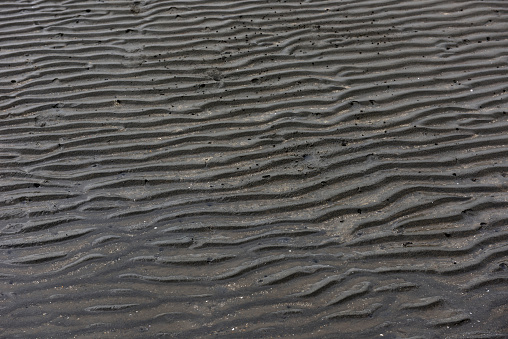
(254, 169)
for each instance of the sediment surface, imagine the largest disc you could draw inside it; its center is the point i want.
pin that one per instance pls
(254, 169)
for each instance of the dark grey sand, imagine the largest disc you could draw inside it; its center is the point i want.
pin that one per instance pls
(254, 169)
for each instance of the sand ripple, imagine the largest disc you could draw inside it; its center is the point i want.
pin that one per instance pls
(254, 169)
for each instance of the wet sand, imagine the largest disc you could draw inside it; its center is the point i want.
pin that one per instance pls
(254, 169)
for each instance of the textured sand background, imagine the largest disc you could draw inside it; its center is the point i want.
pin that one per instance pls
(254, 169)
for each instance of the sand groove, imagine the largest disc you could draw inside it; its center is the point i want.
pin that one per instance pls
(254, 168)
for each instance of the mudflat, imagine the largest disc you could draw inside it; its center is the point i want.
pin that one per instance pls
(254, 169)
